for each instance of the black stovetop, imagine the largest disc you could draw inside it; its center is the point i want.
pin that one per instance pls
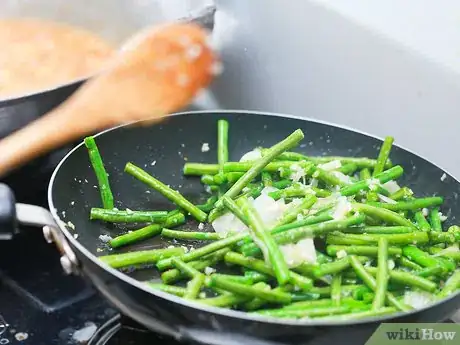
(40, 305)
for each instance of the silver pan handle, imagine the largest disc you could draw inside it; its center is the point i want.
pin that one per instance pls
(13, 214)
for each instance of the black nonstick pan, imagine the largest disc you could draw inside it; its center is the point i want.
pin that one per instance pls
(72, 193)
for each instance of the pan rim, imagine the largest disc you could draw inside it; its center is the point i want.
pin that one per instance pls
(216, 310)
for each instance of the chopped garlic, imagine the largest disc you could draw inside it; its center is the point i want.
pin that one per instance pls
(391, 264)
(205, 147)
(341, 254)
(201, 226)
(425, 212)
(105, 238)
(297, 172)
(373, 183)
(342, 177)
(128, 211)
(386, 199)
(209, 270)
(342, 209)
(153, 163)
(332, 165)
(251, 155)
(442, 217)
(71, 225)
(391, 186)
(443, 177)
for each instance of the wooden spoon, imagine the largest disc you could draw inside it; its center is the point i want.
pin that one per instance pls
(156, 72)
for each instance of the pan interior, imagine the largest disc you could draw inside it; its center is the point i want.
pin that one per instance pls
(163, 149)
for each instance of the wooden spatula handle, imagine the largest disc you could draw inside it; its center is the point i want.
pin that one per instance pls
(157, 72)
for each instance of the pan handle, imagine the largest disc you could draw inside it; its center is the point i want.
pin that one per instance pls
(216, 337)
(12, 214)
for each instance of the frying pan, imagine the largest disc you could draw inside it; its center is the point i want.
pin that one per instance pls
(71, 194)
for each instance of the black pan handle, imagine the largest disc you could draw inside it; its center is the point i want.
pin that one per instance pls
(8, 219)
(215, 337)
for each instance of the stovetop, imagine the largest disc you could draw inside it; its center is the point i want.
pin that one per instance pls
(40, 305)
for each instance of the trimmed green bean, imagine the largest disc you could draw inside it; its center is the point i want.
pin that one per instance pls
(421, 221)
(222, 143)
(435, 220)
(140, 257)
(361, 250)
(173, 290)
(379, 230)
(336, 292)
(265, 241)
(292, 212)
(422, 258)
(194, 286)
(348, 168)
(233, 208)
(403, 261)
(408, 279)
(388, 175)
(301, 313)
(358, 239)
(411, 205)
(166, 191)
(334, 267)
(360, 314)
(191, 235)
(100, 172)
(384, 154)
(118, 216)
(209, 205)
(372, 284)
(383, 214)
(251, 291)
(258, 265)
(451, 285)
(382, 275)
(402, 193)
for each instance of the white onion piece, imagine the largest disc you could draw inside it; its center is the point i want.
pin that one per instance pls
(251, 156)
(418, 299)
(452, 249)
(391, 186)
(342, 177)
(332, 165)
(386, 199)
(342, 209)
(297, 254)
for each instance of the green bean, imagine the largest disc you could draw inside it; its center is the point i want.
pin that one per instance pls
(383, 156)
(173, 290)
(301, 313)
(256, 276)
(452, 255)
(281, 184)
(385, 215)
(379, 230)
(444, 237)
(429, 272)
(205, 250)
(422, 223)
(258, 265)
(372, 284)
(411, 205)
(403, 261)
(100, 172)
(251, 291)
(239, 279)
(146, 232)
(382, 275)
(361, 162)
(117, 216)
(334, 267)
(327, 177)
(422, 258)
(361, 250)
(166, 191)
(140, 257)
(185, 268)
(256, 303)
(399, 239)
(292, 192)
(451, 285)
(198, 169)
(359, 315)
(222, 143)
(173, 275)
(225, 301)
(265, 242)
(296, 234)
(326, 290)
(309, 220)
(194, 286)
(348, 168)
(388, 175)
(365, 174)
(292, 212)
(402, 193)
(309, 304)
(207, 179)
(260, 164)
(233, 208)
(435, 220)
(359, 292)
(336, 292)
(209, 205)
(408, 279)
(322, 258)
(191, 235)
(266, 179)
